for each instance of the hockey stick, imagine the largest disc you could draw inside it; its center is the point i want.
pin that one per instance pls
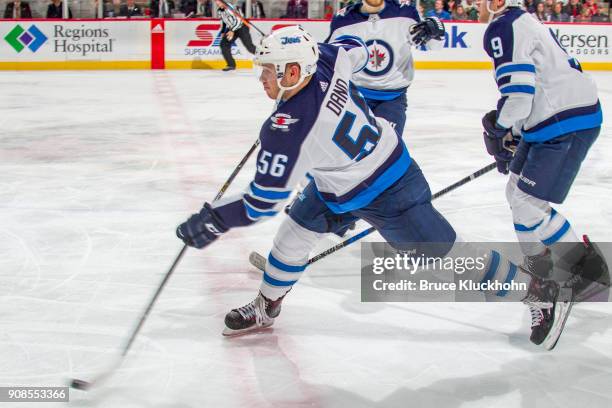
(237, 170)
(86, 385)
(259, 261)
(237, 14)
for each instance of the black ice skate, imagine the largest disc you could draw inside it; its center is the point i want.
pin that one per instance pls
(590, 275)
(539, 265)
(548, 311)
(258, 314)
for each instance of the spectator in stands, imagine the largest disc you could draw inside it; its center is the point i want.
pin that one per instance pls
(188, 8)
(257, 10)
(203, 8)
(438, 11)
(107, 9)
(450, 5)
(573, 8)
(427, 5)
(328, 9)
(302, 9)
(54, 10)
(558, 15)
(584, 17)
(592, 6)
(541, 13)
(530, 6)
(600, 17)
(161, 8)
(459, 13)
(18, 9)
(347, 3)
(548, 6)
(292, 9)
(130, 9)
(471, 8)
(297, 9)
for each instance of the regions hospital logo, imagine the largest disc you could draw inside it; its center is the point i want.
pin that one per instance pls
(18, 38)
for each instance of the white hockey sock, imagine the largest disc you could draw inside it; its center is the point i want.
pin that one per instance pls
(501, 269)
(536, 223)
(555, 228)
(288, 258)
(498, 269)
(527, 215)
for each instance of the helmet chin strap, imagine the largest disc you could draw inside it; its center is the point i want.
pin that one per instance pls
(493, 13)
(283, 89)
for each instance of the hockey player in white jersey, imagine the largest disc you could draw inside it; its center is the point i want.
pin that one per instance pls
(359, 168)
(553, 106)
(390, 29)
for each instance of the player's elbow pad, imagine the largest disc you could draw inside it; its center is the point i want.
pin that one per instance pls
(356, 49)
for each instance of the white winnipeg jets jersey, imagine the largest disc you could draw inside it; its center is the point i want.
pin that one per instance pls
(387, 34)
(325, 131)
(543, 90)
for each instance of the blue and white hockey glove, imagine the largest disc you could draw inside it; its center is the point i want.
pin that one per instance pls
(201, 229)
(430, 28)
(499, 141)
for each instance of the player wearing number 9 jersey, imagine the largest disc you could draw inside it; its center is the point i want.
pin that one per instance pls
(553, 108)
(544, 92)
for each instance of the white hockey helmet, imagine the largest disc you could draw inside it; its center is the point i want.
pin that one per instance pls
(287, 45)
(508, 3)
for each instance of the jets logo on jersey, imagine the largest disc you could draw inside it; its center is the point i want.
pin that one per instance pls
(282, 121)
(381, 58)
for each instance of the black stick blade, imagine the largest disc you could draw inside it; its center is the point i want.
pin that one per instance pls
(80, 385)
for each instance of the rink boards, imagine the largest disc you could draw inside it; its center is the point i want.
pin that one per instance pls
(194, 44)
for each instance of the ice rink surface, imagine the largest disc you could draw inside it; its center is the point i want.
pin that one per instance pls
(98, 168)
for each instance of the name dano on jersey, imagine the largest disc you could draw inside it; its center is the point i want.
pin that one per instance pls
(338, 97)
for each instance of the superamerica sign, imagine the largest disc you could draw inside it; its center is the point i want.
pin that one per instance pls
(207, 39)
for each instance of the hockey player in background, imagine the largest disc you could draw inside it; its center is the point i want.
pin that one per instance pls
(390, 29)
(553, 107)
(359, 168)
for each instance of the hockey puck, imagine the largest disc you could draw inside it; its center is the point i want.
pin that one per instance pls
(80, 385)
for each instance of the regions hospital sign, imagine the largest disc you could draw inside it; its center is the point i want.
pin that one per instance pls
(74, 44)
(82, 41)
(194, 43)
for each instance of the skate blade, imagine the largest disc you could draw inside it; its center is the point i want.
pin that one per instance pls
(227, 332)
(257, 261)
(597, 286)
(562, 312)
(591, 292)
(603, 280)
